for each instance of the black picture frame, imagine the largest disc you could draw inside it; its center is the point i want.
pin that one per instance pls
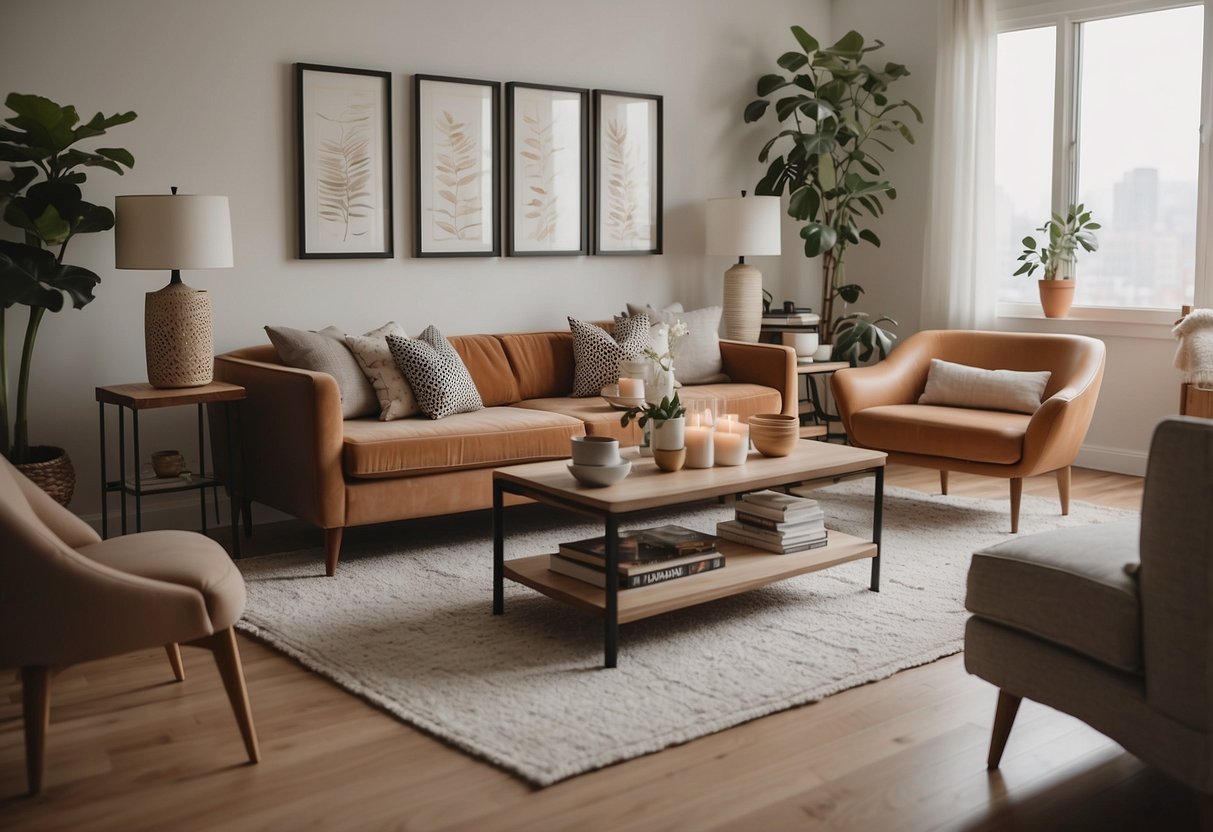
(445, 222)
(626, 222)
(547, 195)
(343, 145)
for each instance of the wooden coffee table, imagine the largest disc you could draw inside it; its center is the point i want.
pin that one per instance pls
(648, 488)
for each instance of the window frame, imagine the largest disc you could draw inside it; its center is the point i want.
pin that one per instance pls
(1066, 16)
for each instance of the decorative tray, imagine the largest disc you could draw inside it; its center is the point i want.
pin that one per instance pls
(611, 394)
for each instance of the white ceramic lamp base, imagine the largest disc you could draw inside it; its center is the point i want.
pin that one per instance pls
(179, 337)
(742, 303)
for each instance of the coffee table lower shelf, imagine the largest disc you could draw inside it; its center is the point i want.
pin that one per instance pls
(745, 568)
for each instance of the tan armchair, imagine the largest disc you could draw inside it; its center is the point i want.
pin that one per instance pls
(1109, 623)
(879, 407)
(67, 597)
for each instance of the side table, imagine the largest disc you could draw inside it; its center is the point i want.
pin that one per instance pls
(816, 404)
(142, 396)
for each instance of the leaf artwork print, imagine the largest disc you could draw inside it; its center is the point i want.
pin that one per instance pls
(625, 185)
(344, 171)
(539, 176)
(457, 175)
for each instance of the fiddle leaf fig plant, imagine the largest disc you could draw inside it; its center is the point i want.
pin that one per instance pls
(41, 198)
(1064, 236)
(835, 118)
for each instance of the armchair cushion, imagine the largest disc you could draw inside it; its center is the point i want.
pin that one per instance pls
(950, 432)
(1069, 587)
(959, 385)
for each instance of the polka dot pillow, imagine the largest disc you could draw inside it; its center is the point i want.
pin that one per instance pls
(440, 380)
(596, 352)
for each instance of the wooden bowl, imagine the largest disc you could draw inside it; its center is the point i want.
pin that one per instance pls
(670, 460)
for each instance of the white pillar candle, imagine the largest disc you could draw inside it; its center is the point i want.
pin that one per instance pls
(732, 441)
(631, 388)
(699, 446)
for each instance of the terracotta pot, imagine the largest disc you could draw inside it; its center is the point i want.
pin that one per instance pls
(51, 470)
(1056, 297)
(670, 461)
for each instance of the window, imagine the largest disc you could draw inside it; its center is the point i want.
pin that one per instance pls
(1125, 142)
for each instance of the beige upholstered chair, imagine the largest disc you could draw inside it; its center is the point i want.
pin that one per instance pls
(879, 407)
(1109, 624)
(66, 597)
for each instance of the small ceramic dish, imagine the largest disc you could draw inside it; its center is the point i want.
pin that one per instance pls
(599, 476)
(595, 450)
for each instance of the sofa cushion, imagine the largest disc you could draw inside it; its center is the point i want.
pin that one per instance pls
(396, 399)
(1068, 586)
(541, 362)
(490, 437)
(596, 352)
(435, 371)
(489, 368)
(953, 432)
(959, 385)
(325, 352)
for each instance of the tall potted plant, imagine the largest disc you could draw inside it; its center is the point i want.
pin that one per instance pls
(1056, 254)
(43, 200)
(835, 116)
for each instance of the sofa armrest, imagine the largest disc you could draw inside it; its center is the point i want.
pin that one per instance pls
(899, 379)
(1058, 427)
(291, 435)
(771, 365)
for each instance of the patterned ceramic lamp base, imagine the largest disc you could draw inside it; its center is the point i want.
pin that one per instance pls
(179, 336)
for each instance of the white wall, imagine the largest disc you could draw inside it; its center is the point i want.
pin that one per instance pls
(1140, 386)
(212, 84)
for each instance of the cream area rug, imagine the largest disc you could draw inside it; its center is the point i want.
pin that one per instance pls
(406, 623)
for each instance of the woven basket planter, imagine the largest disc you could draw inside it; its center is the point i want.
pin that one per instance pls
(52, 471)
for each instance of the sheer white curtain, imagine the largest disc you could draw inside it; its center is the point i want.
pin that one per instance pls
(958, 288)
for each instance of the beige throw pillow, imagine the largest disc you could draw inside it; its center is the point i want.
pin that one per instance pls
(697, 355)
(959, 385)
(325, 352)
(396, 399)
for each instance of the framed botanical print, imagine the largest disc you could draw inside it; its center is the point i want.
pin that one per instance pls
(344, 148)
(456, 177)
(627, 175)
(547, 135)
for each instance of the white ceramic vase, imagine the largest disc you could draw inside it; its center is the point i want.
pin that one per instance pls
(669, 434)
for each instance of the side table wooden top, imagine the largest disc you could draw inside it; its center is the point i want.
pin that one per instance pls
(142, 396)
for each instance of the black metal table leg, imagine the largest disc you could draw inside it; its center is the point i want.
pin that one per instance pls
(233, 492)
(610, 636)
(138, 472)
(105, 515)
(877, 520)
(498, 550)
(122, 463)
(201, 470)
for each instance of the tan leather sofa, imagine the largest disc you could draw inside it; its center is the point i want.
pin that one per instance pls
(300, 457)
(879, 407)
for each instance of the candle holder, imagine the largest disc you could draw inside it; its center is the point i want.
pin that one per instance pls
(700, 427)
(731, 441)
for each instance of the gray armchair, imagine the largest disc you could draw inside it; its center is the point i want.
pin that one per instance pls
(1111, 624)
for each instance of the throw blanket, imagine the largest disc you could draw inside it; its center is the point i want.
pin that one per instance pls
(1195, 354)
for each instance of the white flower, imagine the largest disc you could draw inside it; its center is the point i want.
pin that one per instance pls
(678, 330)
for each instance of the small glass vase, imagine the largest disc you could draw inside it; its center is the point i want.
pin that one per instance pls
(661, 386)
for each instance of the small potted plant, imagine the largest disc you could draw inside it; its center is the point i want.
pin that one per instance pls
(1064, 235)
(668, 430)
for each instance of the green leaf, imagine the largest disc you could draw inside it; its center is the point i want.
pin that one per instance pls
(826, 172)
(792, 61)
(755, 109)
(767, 84)
(772, 183)
(848, 47)
(1026, 268)
(1029, 242)
(119, 154)
(804, 204)
(850, 293)
(807, 42)
(818, 238)
(805, 82)
(19, 266)
(93, 218)
(866, 234)
(21, 177)
(784, 107)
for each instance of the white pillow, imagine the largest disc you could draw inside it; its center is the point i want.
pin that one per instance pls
(959, 385)
(697, 354)
(396, 399)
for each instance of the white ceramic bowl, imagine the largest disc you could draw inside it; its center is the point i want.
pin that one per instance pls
(599, 476)
(595, 450)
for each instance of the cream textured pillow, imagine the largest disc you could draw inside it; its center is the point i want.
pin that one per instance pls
(396, 399)
(596, 352)
(959, 385)
(697, 354)
(325, 352)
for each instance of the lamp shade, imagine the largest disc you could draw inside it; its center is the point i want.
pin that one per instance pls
(172, 231)
(743, 226)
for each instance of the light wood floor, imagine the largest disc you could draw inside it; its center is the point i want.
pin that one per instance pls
(129, 749)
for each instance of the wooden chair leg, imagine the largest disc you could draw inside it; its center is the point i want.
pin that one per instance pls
(1063, 489)
(36, 707)
(1016, 494)
(174, 658)
(332, 550)
(943, 482)
(1004, 718)
(227, 657)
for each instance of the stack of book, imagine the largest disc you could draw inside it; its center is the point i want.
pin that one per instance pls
(777, 522)
(646, 557)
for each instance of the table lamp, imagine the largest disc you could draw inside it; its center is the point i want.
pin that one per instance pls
(741, 227)
(171, 231)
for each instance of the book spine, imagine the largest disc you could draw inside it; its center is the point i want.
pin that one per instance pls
(815, 521)
(597, 575)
